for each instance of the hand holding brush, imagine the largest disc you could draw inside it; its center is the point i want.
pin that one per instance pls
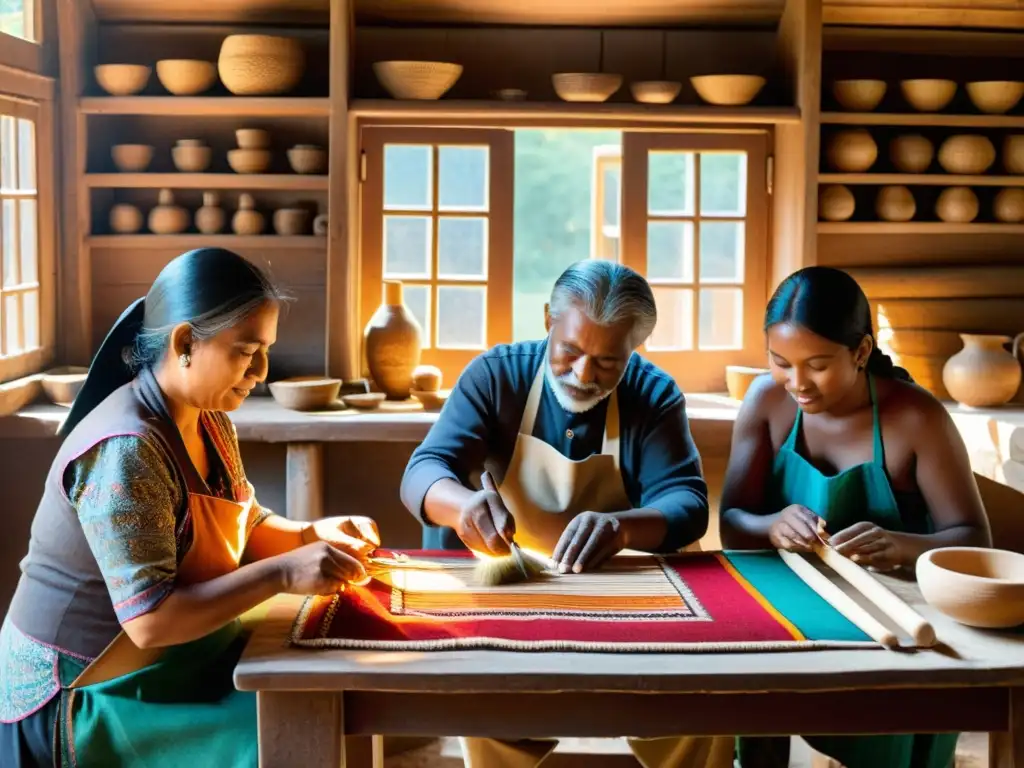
(510, 568)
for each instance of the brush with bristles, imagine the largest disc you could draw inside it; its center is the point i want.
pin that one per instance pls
(513, 568)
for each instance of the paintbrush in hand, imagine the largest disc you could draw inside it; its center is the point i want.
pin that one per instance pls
(512, 568)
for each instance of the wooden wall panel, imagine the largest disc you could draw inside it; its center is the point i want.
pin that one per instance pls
(877, 250)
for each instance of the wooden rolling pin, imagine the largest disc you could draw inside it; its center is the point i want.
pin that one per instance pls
(839, 600)
(906, 617)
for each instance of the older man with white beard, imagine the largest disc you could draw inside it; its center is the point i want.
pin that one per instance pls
(590, 453)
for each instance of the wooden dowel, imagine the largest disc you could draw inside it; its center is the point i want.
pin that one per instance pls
(839, 600)
(913, 623)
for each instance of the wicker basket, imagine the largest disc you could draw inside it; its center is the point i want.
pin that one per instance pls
(260, 65)
(590, 87)
(418, 80)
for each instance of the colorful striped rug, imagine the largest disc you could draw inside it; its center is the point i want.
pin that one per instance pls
(690, 602)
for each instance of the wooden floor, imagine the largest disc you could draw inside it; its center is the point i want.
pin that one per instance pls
(972, 752)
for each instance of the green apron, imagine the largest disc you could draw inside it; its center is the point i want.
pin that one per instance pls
(182, 710)
(859, 493)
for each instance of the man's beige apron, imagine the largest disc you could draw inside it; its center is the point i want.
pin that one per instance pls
(544, 490)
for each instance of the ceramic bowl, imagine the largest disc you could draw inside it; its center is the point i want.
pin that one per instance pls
(122, 79)
(131, 158)
(859, 95)
(928, 95)
(995, 97)
(307, 158)
(186, 77)
(62, 384)
(249, 160)
(364, 402)
(191, 156)
(655, 91)
(975, 586)
(432, 401)
(728, 90)
(306, 393)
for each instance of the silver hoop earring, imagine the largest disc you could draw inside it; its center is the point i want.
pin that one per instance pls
(184, 360)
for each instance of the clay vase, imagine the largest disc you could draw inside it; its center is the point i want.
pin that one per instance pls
(983, 374)
(392, 340)
(125, 219)
(167, 218)
(247, 220)
(210, 218)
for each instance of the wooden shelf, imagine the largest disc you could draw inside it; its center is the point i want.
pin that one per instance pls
(205, 106)
(912, 179)
(923, 119)
(559, 111)
(184, 242)
(264, 181)
(916, 228)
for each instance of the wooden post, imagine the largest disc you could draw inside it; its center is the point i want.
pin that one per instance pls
(343, 346)
(304, 481)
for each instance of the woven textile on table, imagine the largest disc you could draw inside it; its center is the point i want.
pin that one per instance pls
(690, 602)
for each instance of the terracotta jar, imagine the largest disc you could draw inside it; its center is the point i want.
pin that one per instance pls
(125, 219)
(983, 373)
(247, 220)
(393, 344)
(167, 218)
(210, 218)
(1013, 153)
(291, 221)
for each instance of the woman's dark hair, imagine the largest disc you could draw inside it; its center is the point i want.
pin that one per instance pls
(211, 289)
(829, 303)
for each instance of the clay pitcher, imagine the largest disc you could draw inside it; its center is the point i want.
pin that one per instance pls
(393, 344)
(983, 373)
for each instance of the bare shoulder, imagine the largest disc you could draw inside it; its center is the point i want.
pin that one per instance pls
(764, 399)
(911, 408)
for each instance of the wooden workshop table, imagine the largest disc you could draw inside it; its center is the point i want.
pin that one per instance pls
(309, 699)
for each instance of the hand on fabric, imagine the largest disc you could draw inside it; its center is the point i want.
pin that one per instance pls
(318, 569)
(867, 544)
(356, 536)
(588, 540)
(485, 525)
(795, 529)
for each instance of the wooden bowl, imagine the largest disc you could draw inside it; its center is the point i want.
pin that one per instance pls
(364, 402)
(122, 79)
(249, 160)
(859, 95)
(306, 393)
(590, 87)
(431, 400)
(928, 95)
(974, 586)
(738, 379)
(131, 158)
(655, 91)
(967, 154)
(186, 77)
(995, 97)
(728, 90)
(417, 80)
(62, 384)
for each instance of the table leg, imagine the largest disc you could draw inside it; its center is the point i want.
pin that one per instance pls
(304, 481)
(1006, 748)
(300, 728)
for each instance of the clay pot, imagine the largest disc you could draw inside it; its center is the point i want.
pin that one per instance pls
(983, 373)
(911, 153)
(63, 384)
(427, 378)
(851, 151)
(967, 154)
(167, 218)
(928, 95)
(249, 160)
(976, 586)
(191, 155)
(210, 218)
(131, 158)
(859, 95)
(260, 65)
(655, 91)
(125, 219)
(291, 221)
(957, 205)
(252, 138)
(186, 77)
(122, 79)
(836, 203)
(307, 158)
(392, 340)
(1013, 153)
(995, 97)
(1008, 205)
(247, 220)
(895, 203)
(728, 90)
(306, 393)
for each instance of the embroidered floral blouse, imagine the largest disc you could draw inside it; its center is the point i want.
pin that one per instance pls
(131, 510)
